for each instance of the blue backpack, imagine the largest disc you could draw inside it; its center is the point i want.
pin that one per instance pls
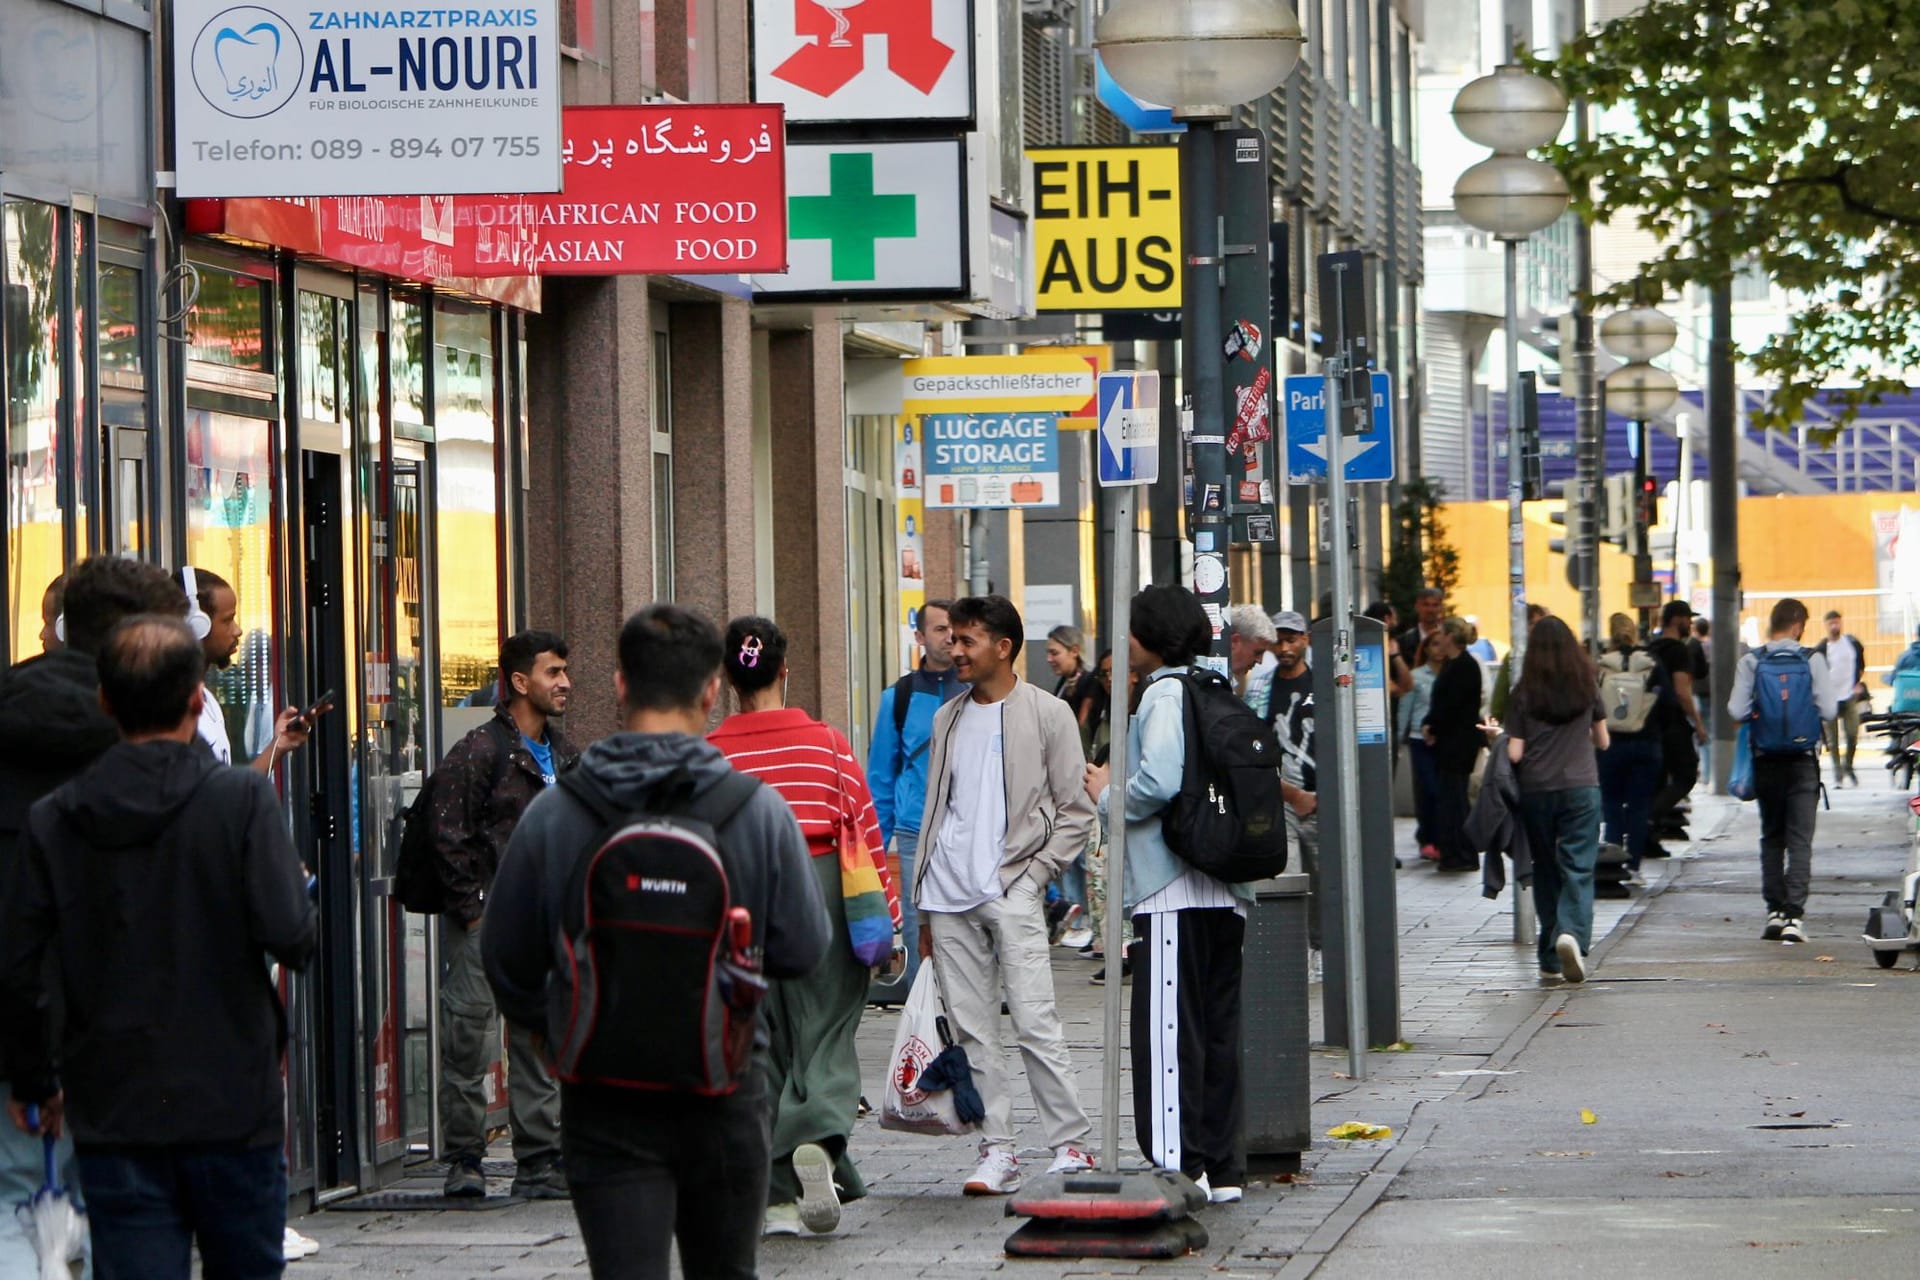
(1786, 720)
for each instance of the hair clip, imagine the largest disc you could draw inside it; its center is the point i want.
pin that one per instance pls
(750, 651)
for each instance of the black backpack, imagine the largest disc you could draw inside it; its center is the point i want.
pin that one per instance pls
(663, 983)
(1229, 819)
(417, 883)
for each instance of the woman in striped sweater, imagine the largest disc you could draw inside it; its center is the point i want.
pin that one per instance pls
(814, 1072)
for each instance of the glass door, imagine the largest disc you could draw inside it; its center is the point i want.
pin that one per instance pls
(410, 753)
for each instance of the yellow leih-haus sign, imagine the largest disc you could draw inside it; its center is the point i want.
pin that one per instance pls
(1106, 228)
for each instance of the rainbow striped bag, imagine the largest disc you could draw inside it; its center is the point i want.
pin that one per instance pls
(869, 919)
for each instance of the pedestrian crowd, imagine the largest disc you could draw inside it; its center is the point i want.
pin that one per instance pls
(681, 924)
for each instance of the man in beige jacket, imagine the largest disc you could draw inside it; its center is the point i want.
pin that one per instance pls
(1007, 808)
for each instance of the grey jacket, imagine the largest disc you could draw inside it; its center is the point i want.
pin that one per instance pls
(1049, 816)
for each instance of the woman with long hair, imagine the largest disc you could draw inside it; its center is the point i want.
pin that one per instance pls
(813, 1069)
(1452, 730)
(1555, 728)
(1632, 765)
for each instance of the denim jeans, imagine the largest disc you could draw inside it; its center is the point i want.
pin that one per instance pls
(1629, 775)
(1563, 834)
(148, 1206)
(1426, 789)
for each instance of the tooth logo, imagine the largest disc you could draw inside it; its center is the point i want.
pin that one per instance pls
(247, 62)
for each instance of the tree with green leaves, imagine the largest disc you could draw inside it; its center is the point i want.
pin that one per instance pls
(1418, 553)
(1796, 125)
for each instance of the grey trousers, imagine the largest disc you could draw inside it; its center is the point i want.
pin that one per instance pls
(1788, 789)
(995, 951)
(469, 1040)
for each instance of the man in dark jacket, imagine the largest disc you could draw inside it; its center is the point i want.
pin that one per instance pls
(483, 786)
(648, 1166)
(1452, 730)
(162, 882)
(52, 727)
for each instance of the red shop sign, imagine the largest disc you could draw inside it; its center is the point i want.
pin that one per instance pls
(653, 190)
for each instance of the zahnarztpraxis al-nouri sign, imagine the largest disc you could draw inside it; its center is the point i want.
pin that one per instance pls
(384, 97)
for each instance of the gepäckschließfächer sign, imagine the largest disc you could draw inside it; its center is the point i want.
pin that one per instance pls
(376, 97)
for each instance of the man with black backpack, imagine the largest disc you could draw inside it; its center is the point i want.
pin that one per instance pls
(473, 803)
(897, 759)
(1783, 689)
(640, 910)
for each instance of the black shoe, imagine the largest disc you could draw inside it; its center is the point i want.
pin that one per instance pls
(545, 1181)
(464, 1180)
(1656, 850)
(1126, 973)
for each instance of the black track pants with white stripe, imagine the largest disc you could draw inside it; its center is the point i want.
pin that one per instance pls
(1186, 1042)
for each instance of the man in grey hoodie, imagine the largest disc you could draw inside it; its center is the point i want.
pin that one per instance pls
(647, 1167)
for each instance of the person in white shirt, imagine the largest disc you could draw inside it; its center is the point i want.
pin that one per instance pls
(1847, 669)
(1251, 639)
(1005, 812)
(213, 615)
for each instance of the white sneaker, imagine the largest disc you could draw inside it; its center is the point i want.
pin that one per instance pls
(1776, 921)
(1225, 1195)
(819, 1204)
(782, 1220)
(998, 1175)
(1077, 938)
(1791, 931)
(1573, 964)
(294, 1246)
(1070, 1160)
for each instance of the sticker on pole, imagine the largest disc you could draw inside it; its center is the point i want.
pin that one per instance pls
(1129, 429)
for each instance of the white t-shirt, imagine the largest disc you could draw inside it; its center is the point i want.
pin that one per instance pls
(213, 726)
(1842, 668)
(963, 871)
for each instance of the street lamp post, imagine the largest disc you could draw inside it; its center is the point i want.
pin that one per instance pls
(1202, 58)
(1640, 392)
(1512, 196)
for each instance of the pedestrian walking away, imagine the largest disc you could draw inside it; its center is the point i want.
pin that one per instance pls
(52, 728)
(1006, 810)
(813, 1069)
(658, 1150)
(1847, 672)
(1633, 686)
(1785, 691)
(897, 758)
(1188, 926)
(1452, 730)
(1555, 726)
(160, 883)
(1682, 728)
(481, 791)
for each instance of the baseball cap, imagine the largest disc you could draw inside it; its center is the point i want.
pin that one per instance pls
(1675, 609)
(1288, 620)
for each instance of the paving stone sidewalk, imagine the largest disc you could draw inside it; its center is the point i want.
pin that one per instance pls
(1469, 998)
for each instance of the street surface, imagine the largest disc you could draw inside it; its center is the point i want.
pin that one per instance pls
(1747, 1115)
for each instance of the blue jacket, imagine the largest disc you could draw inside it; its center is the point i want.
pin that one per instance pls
(1909, 660)
(897, 760)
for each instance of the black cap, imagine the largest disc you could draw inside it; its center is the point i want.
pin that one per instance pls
(1675, 609)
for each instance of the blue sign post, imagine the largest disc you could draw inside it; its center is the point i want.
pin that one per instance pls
(1367, 458)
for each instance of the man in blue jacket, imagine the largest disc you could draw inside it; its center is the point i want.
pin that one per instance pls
(897, 762)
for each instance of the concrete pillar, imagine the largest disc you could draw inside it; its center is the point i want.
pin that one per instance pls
(589, 543)
(712, 380)
(810, 511)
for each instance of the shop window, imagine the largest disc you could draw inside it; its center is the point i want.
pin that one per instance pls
(874, 613)
(230, 520)
(36, 534)
(663, 549)
(230, 320)
(467, 509)
(406, 357)
(326, 358)
(80, 456)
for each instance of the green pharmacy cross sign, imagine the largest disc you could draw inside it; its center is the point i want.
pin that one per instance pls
(852, 217)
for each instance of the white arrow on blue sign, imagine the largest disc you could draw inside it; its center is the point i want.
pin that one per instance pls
(1368, 457)
(1129, 428)
(1141, 117)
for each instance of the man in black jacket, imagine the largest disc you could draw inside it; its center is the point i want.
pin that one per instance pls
(52, 727)
(162, 882)
(484, 784)
(647, 1166)
(1452, 730)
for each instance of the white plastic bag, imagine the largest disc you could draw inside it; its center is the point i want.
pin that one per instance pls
(907, 1107)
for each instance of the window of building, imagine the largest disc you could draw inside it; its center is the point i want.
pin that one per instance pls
(873, 586)
(229, 495)
(35, 404)
(663, 548)
(230, 320)
(466, 435)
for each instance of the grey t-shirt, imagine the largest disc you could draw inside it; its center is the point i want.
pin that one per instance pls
(1558, 757)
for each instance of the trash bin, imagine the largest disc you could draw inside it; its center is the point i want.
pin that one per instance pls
(1274, 1027)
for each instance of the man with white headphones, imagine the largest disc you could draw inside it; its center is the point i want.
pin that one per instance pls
(213, 615)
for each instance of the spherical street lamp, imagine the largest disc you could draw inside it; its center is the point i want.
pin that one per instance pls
(1512, 196)
(1511, 110)
(1639, 334)
(1200, 57)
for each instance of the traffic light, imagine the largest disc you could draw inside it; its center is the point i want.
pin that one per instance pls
(1646, 513)
(1572, 518)
(1616, 520)
(1531, 473)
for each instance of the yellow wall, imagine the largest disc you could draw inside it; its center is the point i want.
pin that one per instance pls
(1803, 544)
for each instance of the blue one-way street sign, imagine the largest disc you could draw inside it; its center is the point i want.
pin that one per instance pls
(1368, 457)
(1129, 428)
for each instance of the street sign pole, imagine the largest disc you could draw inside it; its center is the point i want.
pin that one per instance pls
(1123, 502)
(1346, 728)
